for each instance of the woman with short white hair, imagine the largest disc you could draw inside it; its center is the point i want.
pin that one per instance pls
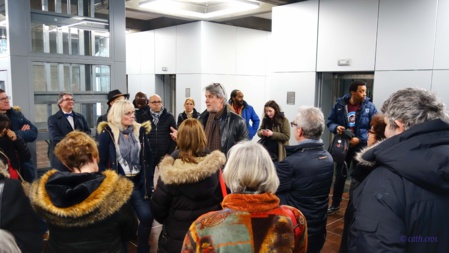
(252, 209)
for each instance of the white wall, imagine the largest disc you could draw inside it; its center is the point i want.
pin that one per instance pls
(441, 60)
(347, 30)
(387, 82)
(440, 85)
(406, 34)
(188, 48)
(295, 28)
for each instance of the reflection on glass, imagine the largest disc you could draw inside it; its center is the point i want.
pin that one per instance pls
(3, 29)
(71, 77)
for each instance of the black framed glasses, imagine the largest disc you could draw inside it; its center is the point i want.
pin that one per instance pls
(293, 124)
(156, 102)
(5, 98)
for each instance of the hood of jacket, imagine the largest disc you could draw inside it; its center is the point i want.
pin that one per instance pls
(100, 199)
(178, 172)
(115, 131)
(419, 154)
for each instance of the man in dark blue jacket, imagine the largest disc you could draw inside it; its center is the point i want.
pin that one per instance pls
(401, 206)
(352, 111)
(63, 122)
(305, 175)
(23, 128)
(242, 108)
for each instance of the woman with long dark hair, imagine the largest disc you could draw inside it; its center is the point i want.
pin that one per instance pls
(274, 131)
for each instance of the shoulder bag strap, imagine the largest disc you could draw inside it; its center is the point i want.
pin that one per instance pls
(222, 184)
(2, 186)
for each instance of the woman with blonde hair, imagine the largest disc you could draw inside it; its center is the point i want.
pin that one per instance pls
(189, 112)
(252, 219)
(188, 185)
(125, 149)
(85, 210)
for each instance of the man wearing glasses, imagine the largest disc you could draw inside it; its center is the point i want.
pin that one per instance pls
(305, 175)
(161, 121)
(63, 122)
(23, 128)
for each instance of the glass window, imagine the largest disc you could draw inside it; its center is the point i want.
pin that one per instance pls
(3, 29)
(78, 28)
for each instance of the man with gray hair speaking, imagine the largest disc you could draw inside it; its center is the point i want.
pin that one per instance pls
(223, 128)
(402, 205)
(306, 174)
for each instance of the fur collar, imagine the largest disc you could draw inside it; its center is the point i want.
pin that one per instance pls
(4, 173)
(107, 199)
(178, 172)
(115, 131)
(365, 157)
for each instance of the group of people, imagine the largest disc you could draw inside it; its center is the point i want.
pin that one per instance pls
(217, 191)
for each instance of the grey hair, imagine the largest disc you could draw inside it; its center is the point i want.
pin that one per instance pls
(117, 111)
(311, 120)
(218, 90)
(8, 243)
(61, 96)
(250, 168)
(412, 106)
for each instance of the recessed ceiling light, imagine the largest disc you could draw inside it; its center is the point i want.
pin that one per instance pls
(199, 8)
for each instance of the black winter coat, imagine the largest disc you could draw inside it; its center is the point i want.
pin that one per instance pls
(160, 140)
(305, 179)
(18, 217)
(184, 192)
(232, 129)
(107, 148)
(183, 116)
(85, 212)
(402, 204)
(16, 151)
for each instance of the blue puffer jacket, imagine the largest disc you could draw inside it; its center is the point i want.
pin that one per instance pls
(402, 205)
(306, 177)
(17, 122)
(248, 114)
(338, 117)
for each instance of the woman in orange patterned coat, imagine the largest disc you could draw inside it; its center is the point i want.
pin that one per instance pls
(252, 219)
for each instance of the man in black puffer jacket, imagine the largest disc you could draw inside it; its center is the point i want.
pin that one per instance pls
(306, 174)
(159, 136)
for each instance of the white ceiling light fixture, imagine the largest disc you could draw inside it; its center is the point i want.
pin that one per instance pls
(199, 8)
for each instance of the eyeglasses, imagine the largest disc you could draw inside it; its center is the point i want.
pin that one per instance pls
(69, 100)
(129, 113)
(5, 98)
(293, 124)
(156, 102)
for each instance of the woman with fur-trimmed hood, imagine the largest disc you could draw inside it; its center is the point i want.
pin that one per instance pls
(188, 186)
(124, 148)
(86, 211)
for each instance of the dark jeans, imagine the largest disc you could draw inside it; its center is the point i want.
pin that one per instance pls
(341, 173)
(143, 211)
(315, 244)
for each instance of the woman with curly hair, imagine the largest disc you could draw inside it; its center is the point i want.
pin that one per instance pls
(85, 210)
(274, 131)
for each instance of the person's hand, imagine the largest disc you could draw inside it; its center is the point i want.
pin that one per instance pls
(174, 133)
(354, 142)
(267, 132)
(340, 129)
(11, 135)
(25, 127)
